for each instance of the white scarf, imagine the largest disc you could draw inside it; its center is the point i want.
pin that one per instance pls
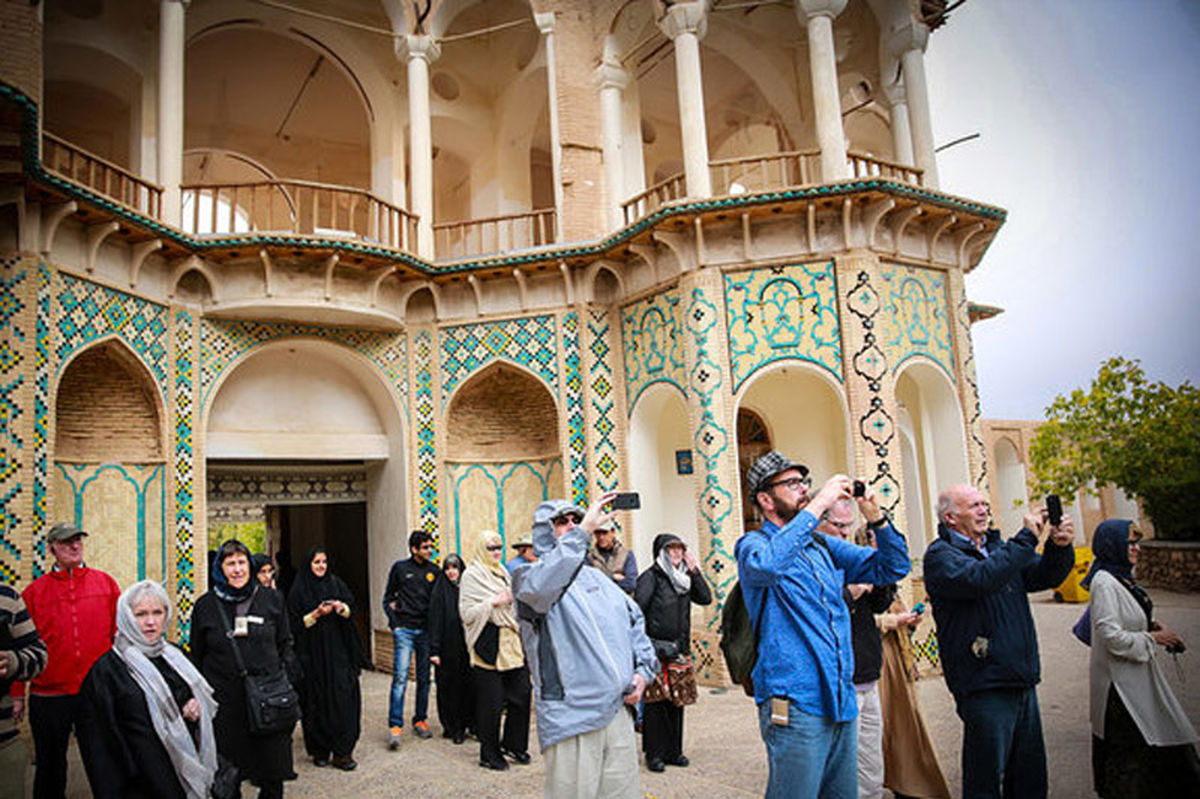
(681, 581)
(195, 770)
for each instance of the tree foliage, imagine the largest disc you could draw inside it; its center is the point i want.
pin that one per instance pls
(1143, 437)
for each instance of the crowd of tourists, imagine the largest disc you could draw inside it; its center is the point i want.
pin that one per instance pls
(568, 628)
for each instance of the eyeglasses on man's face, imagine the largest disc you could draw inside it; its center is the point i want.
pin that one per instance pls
(573, 518)
(839, 525)
(792, 483)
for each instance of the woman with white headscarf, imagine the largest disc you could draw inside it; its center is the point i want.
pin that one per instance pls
(152, 709)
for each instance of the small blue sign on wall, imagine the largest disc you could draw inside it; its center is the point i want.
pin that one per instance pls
(683, 461)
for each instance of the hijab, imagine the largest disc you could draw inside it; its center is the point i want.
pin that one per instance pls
(1110, 548)
(457, 562)
(221, 586)
(309, 590)
(258, 563)
(681, 581)
(485, 578)
(194, 767)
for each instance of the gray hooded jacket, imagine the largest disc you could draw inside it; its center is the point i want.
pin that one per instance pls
(583, 645)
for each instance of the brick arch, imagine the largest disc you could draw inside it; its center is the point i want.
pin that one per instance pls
(502, 412)
(107, 407)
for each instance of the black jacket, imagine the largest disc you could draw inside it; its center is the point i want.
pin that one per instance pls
(864, 633)
(410, 586)
(977, 599)
(669, 614)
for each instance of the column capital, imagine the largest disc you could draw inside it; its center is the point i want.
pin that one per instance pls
(544, 21)
(610, 75)
(909, 36)
(895, 92)
(807, 9)
(686, 18)
(418, 46)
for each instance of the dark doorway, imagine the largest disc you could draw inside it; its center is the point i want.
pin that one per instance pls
(341, 528)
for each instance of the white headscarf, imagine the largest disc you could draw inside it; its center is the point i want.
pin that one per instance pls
(195, 769)
(681, 581)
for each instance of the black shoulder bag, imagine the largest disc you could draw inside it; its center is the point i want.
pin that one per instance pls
(272, 704)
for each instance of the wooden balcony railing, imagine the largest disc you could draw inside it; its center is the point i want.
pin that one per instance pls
(866, 166)
(494, 234)
(102, 177)
(653, 198)
(297, 206)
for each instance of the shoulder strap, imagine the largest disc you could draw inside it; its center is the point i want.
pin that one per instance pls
(237, 653)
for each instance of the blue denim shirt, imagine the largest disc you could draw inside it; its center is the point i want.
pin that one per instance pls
(804, 650)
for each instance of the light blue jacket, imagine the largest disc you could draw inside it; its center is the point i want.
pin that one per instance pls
(582, 645)
(804, 652)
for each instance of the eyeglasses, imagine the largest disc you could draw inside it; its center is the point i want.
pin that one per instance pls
(839, 525)
(1135, 543)
(573, 518)
(425, 546)
(495, 547)
(794, 483)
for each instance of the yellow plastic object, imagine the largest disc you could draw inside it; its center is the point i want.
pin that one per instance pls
(1071, 590)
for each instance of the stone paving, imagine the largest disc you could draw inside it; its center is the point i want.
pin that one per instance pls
(721, 732)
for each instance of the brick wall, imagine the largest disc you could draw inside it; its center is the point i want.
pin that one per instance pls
(1174, 565)
(506, 415)
(21, 47)
(105, 411)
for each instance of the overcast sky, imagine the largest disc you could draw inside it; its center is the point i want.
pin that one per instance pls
(1089, 115)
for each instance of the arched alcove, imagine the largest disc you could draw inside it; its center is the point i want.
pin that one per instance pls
(502, 454)
(106, 408)
(606, 287)
(420, 307)
(1011, 490)
(754, 441)
(930, 417)
(658, 429)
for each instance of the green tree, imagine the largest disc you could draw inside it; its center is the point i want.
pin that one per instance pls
(1143, 437)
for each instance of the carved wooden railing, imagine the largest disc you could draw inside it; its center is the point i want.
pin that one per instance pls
(653, 198)
(297, 206)
(93, 172)
(494, 234)
(866, 166)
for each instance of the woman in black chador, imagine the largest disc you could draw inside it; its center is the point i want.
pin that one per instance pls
(319, 606)
(258, 621)
(448, 653)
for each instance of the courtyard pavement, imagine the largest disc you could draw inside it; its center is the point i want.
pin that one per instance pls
(721, 731)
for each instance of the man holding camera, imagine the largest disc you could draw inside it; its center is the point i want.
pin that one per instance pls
(792, 578)
(978, 585)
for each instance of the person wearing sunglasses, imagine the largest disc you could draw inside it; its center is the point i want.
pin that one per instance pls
(792, 578)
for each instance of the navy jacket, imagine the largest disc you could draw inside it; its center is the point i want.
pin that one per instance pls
(975, 597)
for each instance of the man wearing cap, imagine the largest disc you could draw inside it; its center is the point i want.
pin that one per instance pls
(792, 578)
(75, 610)
(610, 556)
(588, 653)
(524, 547)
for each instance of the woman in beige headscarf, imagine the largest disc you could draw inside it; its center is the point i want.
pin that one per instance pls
(498, 670)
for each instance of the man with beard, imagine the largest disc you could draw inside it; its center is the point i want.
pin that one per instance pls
(792, 578)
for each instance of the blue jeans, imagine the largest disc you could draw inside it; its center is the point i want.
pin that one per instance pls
(811, 757)
(409, 642)
(1003, 754)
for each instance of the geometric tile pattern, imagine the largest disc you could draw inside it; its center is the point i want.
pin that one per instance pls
(870, 365)
(87, 311)
(576, 436)
(498, 476)
(223, 341)
(184, 459)
(652, 336)
(41, 417)
(13, 338)
(528, 341)
(915, 320)
(603, 397)
(782, 312)
(427, 476)
(966, 368)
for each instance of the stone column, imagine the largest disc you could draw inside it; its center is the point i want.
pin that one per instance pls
(545, 23)
(420, 52)
(612, 79)
(817, 17)
(902, 148)
(968, 388)
(170, 107)
(908, 43)
(685, 24)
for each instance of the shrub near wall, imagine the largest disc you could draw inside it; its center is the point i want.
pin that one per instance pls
(1174, 565)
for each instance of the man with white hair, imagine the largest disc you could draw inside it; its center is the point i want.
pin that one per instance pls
(987, 641)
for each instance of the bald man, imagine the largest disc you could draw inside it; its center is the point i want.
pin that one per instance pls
(978, 586)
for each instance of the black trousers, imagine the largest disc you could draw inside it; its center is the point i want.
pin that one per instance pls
(455, 698)
(496, 692)
(662, 731)
(51, 719)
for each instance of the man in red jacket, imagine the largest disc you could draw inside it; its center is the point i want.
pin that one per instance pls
(75, 610)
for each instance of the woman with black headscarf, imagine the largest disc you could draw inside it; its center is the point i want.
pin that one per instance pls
(258, 624)
(264, 570)
(152, 711)
(319, 606)
(1142, 742)
(448, 653)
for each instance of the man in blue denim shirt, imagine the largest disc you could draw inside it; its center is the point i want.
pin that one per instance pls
(406, 602)
(804, 675)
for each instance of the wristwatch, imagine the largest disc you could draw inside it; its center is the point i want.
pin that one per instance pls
(878, 523)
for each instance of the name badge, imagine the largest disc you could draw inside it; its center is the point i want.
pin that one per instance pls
(240, 627)
(255, 619)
